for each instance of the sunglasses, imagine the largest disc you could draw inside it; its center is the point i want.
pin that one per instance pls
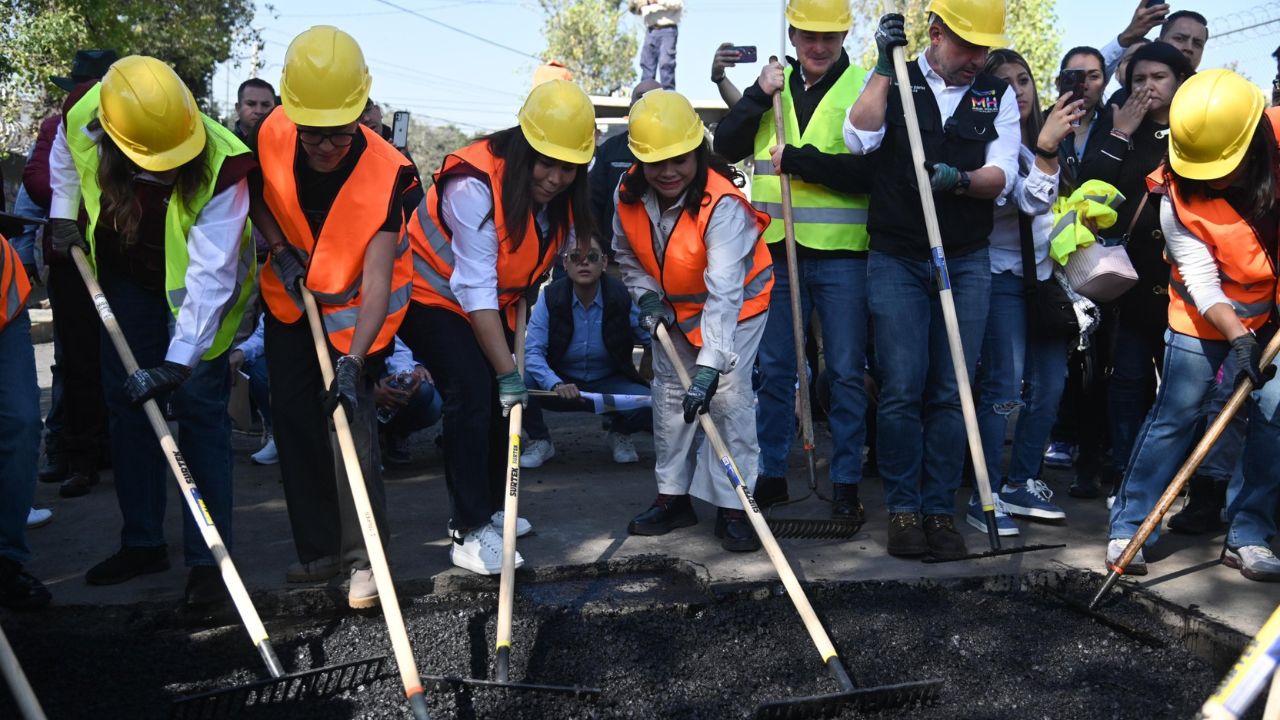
(576, 258)
(336, 139)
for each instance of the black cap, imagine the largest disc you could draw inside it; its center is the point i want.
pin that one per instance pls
(88, 65)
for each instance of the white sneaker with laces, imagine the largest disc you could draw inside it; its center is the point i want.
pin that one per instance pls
(267, 455)
(480, 551)
(536, 453)
(38, 517)
(523, 527)
(1255, 562)
(624, 449)
(1115, 548)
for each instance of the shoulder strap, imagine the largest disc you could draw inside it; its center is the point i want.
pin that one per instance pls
(1028, 253)
(1142, 204)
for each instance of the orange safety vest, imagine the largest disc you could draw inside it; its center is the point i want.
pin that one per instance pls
(432, 240)
(335, 260)
(14, 286)
(683, 264)
(1245, 272)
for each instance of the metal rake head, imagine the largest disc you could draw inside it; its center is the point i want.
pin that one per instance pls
(294, 688)
(813, 529)
(884, 697)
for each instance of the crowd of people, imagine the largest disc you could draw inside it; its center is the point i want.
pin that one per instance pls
(210, 243)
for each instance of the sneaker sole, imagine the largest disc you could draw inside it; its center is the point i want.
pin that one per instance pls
(479, 568)
(1232, 562)
(519, 534)
(362, 603)
(264, 463)
(40, 523)
(1022, 511)
(982, 525)
(1059, 464)
(626, 460)
(529, 465)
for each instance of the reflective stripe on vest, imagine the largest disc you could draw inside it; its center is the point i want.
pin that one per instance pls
(824, 218)
(180, 216)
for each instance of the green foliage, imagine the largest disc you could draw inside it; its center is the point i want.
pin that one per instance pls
(38, 38)
(429, 144)
(592, 39)
(1032, 27)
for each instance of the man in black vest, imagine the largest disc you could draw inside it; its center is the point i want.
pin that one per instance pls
(969, 124)
(581, 334)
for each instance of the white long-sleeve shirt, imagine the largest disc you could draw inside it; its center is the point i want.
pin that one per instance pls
(213, 244)
(661, 13)
(1001, 152)
(465, 205)
(1034, 193)
(1194, 260)
(730, 240)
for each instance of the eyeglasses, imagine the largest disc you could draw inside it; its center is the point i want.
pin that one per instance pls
(336, 139)
(576, 258)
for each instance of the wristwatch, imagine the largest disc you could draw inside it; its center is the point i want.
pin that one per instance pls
(1046, 154)
(717, 80)
(962, 185)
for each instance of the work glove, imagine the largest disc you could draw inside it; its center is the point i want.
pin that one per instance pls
(150, 383)
(289, 268)
(511, 392)
(64, 235)
(346, 378)
(943, 178)
(1248, 356)
(697, 400)
(890, 33)
(652, 311)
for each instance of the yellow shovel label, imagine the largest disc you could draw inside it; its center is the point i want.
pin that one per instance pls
(204, 511)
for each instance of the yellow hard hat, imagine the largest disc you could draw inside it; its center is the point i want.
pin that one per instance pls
(325, 81)
(980, 22)
(663, 125)
(820, 15)
(150, 114)
(1211, 123)
(558, 121)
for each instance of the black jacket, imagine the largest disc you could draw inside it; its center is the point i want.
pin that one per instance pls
(613, 157)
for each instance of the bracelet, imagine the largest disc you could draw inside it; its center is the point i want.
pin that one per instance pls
(1046, 154)
(717, 80)
(1120, 134)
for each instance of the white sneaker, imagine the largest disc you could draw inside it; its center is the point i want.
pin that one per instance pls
(624, 450)
(362, 593)
(536, 453)
(267, 455)
(523, 527)
(480, 551)
(38, 517)
(1255, 562)
(1115, 548)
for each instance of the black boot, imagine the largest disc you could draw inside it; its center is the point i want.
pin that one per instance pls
(54, 469)
(205, 587)
(1202, 514)
(770, 490)
(735, 532)
(667, 513)
(845, 504)
(128, 563)
(19, 590)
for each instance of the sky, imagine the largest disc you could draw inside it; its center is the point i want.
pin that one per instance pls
(445, 76)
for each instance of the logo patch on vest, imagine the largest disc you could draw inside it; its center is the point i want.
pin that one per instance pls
(984, 101)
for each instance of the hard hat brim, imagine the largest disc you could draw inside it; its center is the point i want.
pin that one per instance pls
(162, 161)
(654, 155)
(986, 40)
(556, 152)
(822, 27)
(325, 118)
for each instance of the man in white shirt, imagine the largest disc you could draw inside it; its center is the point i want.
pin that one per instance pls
(969, 126)
(661, 22)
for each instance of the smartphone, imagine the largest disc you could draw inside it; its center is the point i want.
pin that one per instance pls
(400, 129)
(746, 53)
(1153, 3)
(1072, 81)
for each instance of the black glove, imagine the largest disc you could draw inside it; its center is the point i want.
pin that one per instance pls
(697, 400)
(1248, 356)
(288, 267)
(890, 33)
(150, 383)
(65, 234)
(346, 378)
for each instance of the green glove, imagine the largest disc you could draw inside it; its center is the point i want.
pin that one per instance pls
(653, 312)
(697, 400)
(511, 392)
(943, 177)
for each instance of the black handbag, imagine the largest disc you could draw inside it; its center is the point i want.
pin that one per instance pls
(1049, 311)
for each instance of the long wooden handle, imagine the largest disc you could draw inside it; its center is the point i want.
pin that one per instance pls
(510, 512)
(182, 474)
(793, 279)
(368, 523)
(1247, 678)
(26, 699)
(944, 287)
(1192, 463)
(801, 601)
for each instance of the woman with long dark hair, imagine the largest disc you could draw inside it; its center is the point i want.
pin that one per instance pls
(1219, 211)
(164, 188)
(691, 251)
(500, 212)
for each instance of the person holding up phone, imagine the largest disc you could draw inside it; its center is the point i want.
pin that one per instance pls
(727, 56)
(829, 187)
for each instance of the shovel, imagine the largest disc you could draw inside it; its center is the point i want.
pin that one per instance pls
(849, 695)
(282, 687)
(28, 704)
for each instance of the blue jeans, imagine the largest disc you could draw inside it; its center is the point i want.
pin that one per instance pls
(421, 412)
(19, 435)
(1134, 361)
(1223, 459)
(659, 54)
(625, 423)
(1010, 357)
(920, 435)
(260, 390)
(838, 288)
(1190, 369)
(204, 428)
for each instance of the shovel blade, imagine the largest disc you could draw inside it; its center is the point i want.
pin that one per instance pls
(263, 695)
(884, 697)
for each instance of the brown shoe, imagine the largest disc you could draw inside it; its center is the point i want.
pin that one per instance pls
(906, 538)
(944, 542)
(77, 484)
